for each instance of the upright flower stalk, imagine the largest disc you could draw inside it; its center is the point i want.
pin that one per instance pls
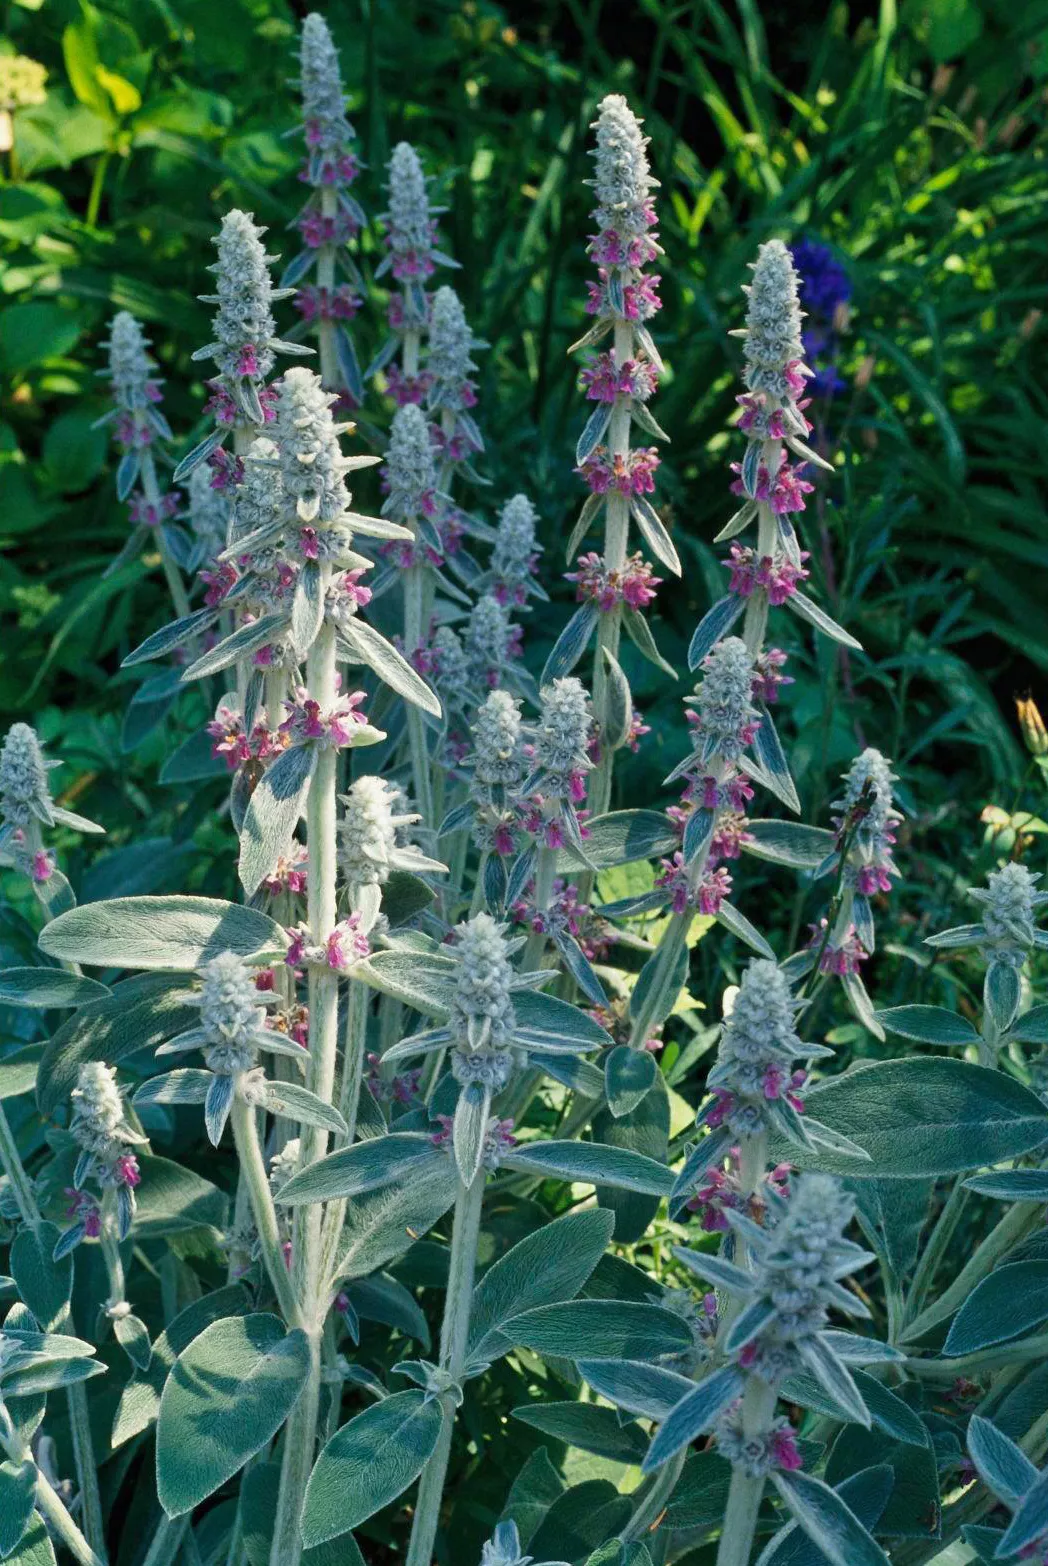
(332, 217)
(411, 259)
(613, 587)
(138, 425)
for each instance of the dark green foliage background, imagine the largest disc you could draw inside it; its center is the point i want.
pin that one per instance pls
(911, 140)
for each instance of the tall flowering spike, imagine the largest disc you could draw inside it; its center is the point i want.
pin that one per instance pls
(867, 809)
(25, 795)
(492, 644)
(515, 555)
(208, 512)
(450, 364)
(131, 366)
(482, 1015)
(563, 733)
(755, 1083)
(101, 1131)
(1009, 900)
(410, 474)
(625, 214)
(138, 425)
(410, 225)
(368, 831)
(331, 217)
(725, 718)
(312, 467)
(498, 742)
(773, 351)
(231, 1014)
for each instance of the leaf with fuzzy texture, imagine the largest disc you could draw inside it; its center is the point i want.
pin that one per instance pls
(160, 932)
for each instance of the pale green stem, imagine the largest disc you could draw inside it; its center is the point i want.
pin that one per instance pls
(167, 1541)
(414, 636)
(253, 1170)
(650, 1509)
(410, 351)
(616, 544)
(545, 875)
(477, 902)
(454, 1338)
(310, 1285)
(111, 1251)
(755, 623)
(932, 1253)
(151, 491)
(326, 279)
(972, 1365)
(744, 1495)
(76, 1395)
(353, 1049)
(1016, 1224)
(674, 938)
(48, 1503)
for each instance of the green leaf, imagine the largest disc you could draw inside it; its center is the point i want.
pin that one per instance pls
(1011, 1301)
(18, 1073)
(587, 1426)
(173, 1199)
(929, 1025)
(35, 1547)
(1031, 1519)
(43, 1283)
(160, 932)
(579, 1521)
(425, 982)
(643, 1132)
(828, 1521)
(276, 805)
(889, 1412)
(649, 1390)
(622, 837)
(1012, 1185)
(1003, 1467)
(1031, 1027)
(383, 1224)
(593, 1163)
(924, 1116)
(391, 666)
(701, 1493)
(31, 334)
(534, 1490)
(545, 1267)
(865, 1493)
(548, 1023)
(295, 1102)
(628, 1077)
(789, 843)
(368, 1463)
(892, 1214)
(600, 1329)
(366, 1166)
(46, 987)
(695, 1414)
(227, 1395)
(141, 1013)
(259, 1493)
(17, 1497)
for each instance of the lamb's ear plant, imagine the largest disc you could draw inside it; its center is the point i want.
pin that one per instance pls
(364, 1175)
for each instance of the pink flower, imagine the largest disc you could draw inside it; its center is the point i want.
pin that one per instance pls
(346, 945)
(784, 1448)
(43, 867)
(126, 1170)
(629, 475)
(842, 959)
(778, 578)
(767, 679)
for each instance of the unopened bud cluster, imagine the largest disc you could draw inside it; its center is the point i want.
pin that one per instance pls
(724, 718)
(482, 1015)
(758, 1048)
(367, 831)
(100, 1129)
(1009, 901)
(515, 555)
(231, 1016)
(24, 793)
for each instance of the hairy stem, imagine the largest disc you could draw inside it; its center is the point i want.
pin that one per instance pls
(744, 1495)
(616, 543)
(326, 280)
(253, 1169)
(454, 1337)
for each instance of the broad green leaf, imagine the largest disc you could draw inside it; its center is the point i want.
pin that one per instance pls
(17, 1497)
(277, 802)
(650, 1390)
(160, 932)
(1003, 1466)
(534, 1490)
(46, 987)
(366, 1166)
(600, 1329)
(550, 1265)
(929, 1025)
(259, 1494)
(889, 1412)
(141, 1013)
(622, 837)
(383, 1224)
(227, 1395)
(1012, 1185)
(35, 1547)
(588, 1426)
(828, 1521)
(172, 1199)
(628, 1076)
(644, 1133)
(579, 1521)
(924, 1116)
(865, 1493)
(701, 1493)
(593, 1163)
(695, 1414)
(43, 1283)
(368, 1463)
(18, 1073)
(1011, 1301)
(789, 843)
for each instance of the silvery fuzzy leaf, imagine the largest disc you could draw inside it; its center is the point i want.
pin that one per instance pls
(581, 1076)
(715, 624)
(199, 453)
(522, 872)
(695, 1414)
(296, 270)
(862, 918)
(245, 394)
(616, 295)
(639, 632)
(834, 1141)
(274, 810)
(570, 644)
(861, 1004)
(457, 819)
(189, 1085)
(578, 965)
(282, 345)
(730, 917)
(368, 645)
(630, 907)
(596, 333)
(298, 1103)
(646, 343)
(960, 935)
(647, 421)
(125, 1211)
(374, 527)
(767, 747)
(835, 1378)
(698, 832)
(469, 1129)
(127, 473)
(248, 639)
(591, 509)
(218, 1103)
(349, 364)
(802, 605)
(386, 354)
(307, 609)
(655, 534)
(254, 698)
(789, 540)
(806, 454)
(742, 519)
(617, 718)
(751, 466)
(495, 881)
(1002, 989)
(131, 550)
(70, 818)
(594, 432)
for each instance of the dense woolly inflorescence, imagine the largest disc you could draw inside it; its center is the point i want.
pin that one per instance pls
(449, 364)
(410, 473)
(498, 742)
(725, 720)
(243, 323)
(562, 735)
(231, 1015)
(100, 1129)
(131, 366)
(410, 226)
(755, 1079)
(1009, 901)
(25, 795)
(328, 132)
(482, 1015)
(312, 467)
(367, 831)
(515, 554)
(867, 812)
